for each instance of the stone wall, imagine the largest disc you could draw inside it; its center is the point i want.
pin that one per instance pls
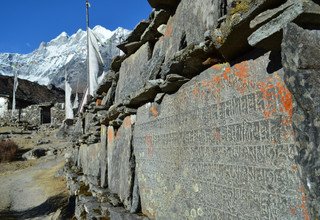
(212, 113)
(3, 105)
(32, 114)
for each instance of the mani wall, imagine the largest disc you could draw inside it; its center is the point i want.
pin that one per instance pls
(212, 113)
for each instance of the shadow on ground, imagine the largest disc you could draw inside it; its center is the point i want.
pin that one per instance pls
(51, 205)
(19, 154)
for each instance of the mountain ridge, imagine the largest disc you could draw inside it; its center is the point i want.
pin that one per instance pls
(47, 64)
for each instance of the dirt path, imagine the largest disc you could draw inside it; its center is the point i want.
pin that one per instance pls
(32, 189)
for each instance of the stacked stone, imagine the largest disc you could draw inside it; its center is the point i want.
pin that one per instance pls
(211, 113)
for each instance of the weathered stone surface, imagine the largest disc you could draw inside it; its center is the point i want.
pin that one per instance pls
(151, 33)
(173, 83)
(116, 63)
(304, 12)
(136, 204)
(35, 154)
(132, 77)
(120, 161)
(172, 4)
(301, 65)
(89, 159)
(131, 44)
(267, 15)
(142, 96)
(191, 20)
(191, 61)
(222, 147)
(119, 213)
(104, 156)
(89, 121)
(109, 98)
(106, 83)
(227, 37)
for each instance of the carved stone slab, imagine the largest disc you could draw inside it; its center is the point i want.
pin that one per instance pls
(120, 161)
(132, 75)
(222, 147)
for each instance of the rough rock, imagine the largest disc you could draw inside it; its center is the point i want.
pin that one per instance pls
(188, 25)
(190, 61)
(226, 37)
(35, 154)
(173, 83)
(301, 65)
(109, 98)
(291, 12)
(136, 204)
(167, 4)
(131, 44)
(119, 213)
(89, 159)
(194, 151)
(120, 161)
(116, 63)
(142, 96)
(132, 77)
(151, 33)
(106, 83)
(104, 157)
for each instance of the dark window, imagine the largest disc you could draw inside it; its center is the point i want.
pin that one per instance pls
(45, 115)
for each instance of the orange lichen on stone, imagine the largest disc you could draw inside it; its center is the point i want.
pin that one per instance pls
(127, 122)
(285, 98)
(154, 111)
(226, 73)
(217, 79)
(110, 135)
(304, 206)
(268, 96)
(196, 91)
(241, 71)
(169, 29)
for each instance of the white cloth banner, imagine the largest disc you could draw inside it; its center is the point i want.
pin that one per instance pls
(95, 62)
(68, 104)
(15, 87)
(76, 102)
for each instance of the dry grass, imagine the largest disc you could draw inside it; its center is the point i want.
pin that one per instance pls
(241, 7)
(8, 150)
(51, 184)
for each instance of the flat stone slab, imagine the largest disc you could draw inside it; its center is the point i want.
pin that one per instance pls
(222, 147)
(120, 161)
(132, 75)
(89, 159)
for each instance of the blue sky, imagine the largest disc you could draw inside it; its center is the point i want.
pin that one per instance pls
(26, 23)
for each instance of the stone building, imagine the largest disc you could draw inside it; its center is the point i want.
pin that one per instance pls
(34, 102)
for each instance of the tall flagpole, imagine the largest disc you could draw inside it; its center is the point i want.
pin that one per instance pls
(87, 26)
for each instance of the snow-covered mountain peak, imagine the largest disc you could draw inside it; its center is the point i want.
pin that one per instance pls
(51, 60)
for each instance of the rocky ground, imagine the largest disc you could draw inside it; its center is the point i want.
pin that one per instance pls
(32, 187)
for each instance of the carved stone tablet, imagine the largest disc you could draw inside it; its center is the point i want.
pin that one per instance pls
(120, 161)
(132, 75)
(222, 147)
